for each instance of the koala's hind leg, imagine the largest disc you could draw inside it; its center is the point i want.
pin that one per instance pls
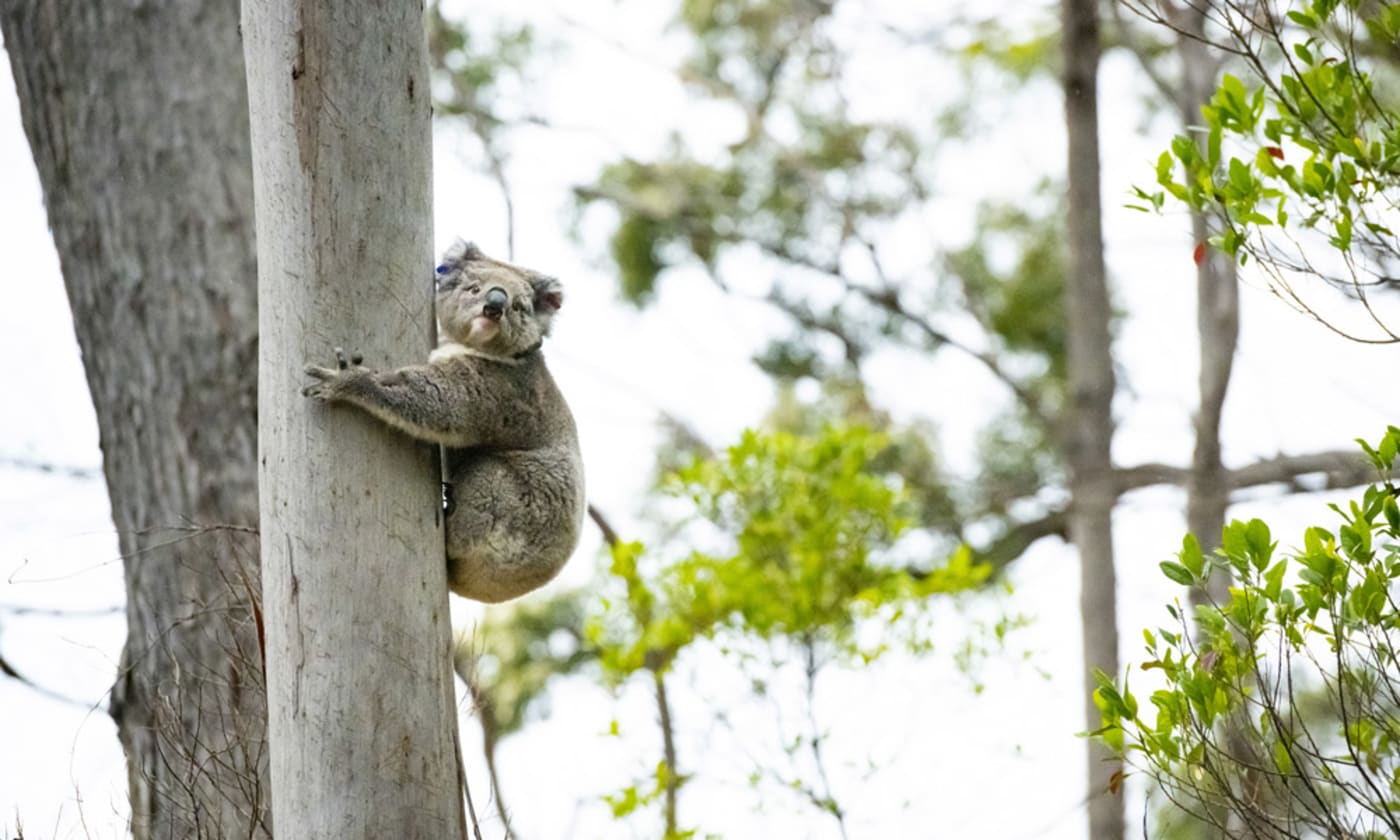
(503, 538)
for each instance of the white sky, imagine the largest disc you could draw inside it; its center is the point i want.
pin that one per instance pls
(944, 762)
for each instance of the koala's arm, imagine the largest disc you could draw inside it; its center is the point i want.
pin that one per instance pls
(452, 406)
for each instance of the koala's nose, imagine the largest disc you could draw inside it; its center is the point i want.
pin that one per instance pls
(496, 300)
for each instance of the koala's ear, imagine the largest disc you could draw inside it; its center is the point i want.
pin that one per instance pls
(549, 295)
(460, 252)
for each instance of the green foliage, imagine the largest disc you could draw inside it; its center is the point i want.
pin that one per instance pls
(646, 793)
(812, 186)
(793, 543)
(676, 205)
(809, 517)
(1022, 304)
(1309, 150)
(800, 180)
(908, 458)
(809, 528)
(1022, 55)
(1281, 714)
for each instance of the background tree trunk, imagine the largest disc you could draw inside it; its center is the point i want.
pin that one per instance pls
(360, 694)
(1089, 434)
(1217, 321)
(137, 118)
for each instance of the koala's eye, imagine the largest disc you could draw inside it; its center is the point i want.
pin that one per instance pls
(474, 288)
(520, 306)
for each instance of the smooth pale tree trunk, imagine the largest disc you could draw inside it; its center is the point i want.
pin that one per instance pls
(137, 119)
(361, 711)
(1217, 324)
(1090, 416)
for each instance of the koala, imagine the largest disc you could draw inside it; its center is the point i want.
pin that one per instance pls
(513, 464)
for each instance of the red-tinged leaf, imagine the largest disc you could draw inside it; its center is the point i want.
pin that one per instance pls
(1115, 782)
(1274, 151)
(1199, 255)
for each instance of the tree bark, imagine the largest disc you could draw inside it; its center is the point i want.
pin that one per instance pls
(137, 119)
(361, 707)
(1091, 384)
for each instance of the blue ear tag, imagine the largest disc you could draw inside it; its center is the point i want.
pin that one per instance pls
(442, 269)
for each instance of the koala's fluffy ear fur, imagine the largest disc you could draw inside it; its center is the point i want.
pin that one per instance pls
(549, 298)
(460, 252)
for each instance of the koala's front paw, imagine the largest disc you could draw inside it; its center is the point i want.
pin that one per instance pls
(324, 386)
(329, 381)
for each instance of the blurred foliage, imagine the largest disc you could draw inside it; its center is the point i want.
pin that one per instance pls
(1021, 55)
(1021, 306)
(1021, 309)
(908, 457)
(798, 179)
(512, 654)
(1280, 714)
(1306, 152)
(794, 544)
(472, 72)
(823, 539)
(789, 539)
(810, 185)
(809, 525)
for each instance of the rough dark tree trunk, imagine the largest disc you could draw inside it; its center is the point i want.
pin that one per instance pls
(137, 118)
(1089, 431)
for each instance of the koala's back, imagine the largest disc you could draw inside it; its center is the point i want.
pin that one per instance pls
(518, 508)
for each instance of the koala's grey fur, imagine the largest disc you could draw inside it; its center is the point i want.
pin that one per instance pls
(512, 449)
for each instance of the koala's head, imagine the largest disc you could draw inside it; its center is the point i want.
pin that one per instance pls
(493, 306)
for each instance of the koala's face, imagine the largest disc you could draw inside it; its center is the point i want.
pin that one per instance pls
(493, 306)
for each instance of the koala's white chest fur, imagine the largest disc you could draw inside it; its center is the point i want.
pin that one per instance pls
(451, 350)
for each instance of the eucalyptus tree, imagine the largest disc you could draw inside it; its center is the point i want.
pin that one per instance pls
(138, 121)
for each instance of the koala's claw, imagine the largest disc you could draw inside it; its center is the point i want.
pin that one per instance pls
(325, 378)
(343, 362)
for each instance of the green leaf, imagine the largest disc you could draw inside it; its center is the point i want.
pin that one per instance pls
(1165, 164)
(1273, 579)
(1234, 543)
(1387, 449)
(1234, 91)
(1177, 573)
(1303, 19)
(1191, 556)
(1260, 548)
(1240, 177)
